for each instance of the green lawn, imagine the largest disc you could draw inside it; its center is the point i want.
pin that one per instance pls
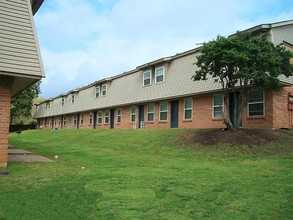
(144, 174)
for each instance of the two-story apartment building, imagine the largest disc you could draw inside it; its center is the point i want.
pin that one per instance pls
(20, 60)
(161, 94)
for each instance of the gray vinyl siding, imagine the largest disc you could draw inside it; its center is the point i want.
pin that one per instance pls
(19, 52)
(282, 33)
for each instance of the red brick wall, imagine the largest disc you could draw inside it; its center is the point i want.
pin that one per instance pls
(5, 99)
(276, 114)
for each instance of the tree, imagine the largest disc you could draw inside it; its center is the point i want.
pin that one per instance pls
(21, 104)
(240, 64)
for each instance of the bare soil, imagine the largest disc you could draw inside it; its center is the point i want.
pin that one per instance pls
(248, 137)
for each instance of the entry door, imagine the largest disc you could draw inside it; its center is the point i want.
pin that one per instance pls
(174, 114)
(95, 120)
(233, 106)
(52, 120)
(141, 116)
(78, 118)
(112, 118)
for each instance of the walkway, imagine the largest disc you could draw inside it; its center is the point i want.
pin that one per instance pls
(17, 155)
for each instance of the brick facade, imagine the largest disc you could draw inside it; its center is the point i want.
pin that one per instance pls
(276, 115)
(5, 99)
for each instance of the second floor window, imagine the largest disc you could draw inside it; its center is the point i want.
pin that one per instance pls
(97, 91)
(160, 74)
(72, 98)
(147, 78)
(62, 101)
(104, 89)
(48, 105)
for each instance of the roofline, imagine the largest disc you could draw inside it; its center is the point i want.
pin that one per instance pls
(266, 27)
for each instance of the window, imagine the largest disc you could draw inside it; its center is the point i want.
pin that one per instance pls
(132, 113)
(55, 121)
(104, 89)
(118, 119)
(256, 103)
(160, 76)
(59, 121)
(75, 119)
(150, 112)
(147, 78)
(91, 119)
(81, 119)
(48, 105)
(217, 106)
(106, 118)
(97, 91)
(163, 111)
(99, 117)
(62, 101)
(188, 109)
(72, 98)
(64, 120)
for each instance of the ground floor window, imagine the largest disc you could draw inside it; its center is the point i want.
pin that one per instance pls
(217, 106)
(64, 120)
(75, 119)
(163, 111)
(256, 103)
(91, 118)
(118, 119)
(188, 109)
(150, 112)
(100, 117)
(106, 118)
(132, 114)
(81, 119)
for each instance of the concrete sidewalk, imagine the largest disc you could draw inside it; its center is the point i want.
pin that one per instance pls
(18, 155)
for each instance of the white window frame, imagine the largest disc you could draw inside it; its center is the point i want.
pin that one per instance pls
(150, 77)
(133, 114)
(59, 121)
(188, 109)
(75, 119)
(72, 98)
(104, 90)
(48, 105)
(90, 118)
(150, 112)
(107, 116)
(118, 116)
(97, 91)
(165, 111)
(100, 117)
(81, 119)
(64, 120)
(216, 106)
(62, 101)
(156, 75)
(263, 102)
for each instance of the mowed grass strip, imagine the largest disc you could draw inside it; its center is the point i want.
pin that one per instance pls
(144, 174)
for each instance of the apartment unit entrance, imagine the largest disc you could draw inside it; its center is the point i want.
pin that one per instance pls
(174, 113)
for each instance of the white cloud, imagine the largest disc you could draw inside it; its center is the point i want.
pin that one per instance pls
(86, 40)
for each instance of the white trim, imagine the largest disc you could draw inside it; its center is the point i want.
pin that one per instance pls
(72, 98)
(99, 93)
(75, 119)
(143, 78)
(164, 111)
(117, 115)
(161, 67)
(264, 98)
(213, 109)
(131, 114)
(149, 112)
(100, 117)
(104, 86)
(105, 116)
(184, 109)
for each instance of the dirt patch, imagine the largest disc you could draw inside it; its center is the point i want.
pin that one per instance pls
(248, 137)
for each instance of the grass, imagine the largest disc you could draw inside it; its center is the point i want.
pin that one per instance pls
(144, 174)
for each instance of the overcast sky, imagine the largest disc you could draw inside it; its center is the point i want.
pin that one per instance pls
(83, 41)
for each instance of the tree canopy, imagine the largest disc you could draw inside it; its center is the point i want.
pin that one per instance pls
(21, 104)
(241, 63)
